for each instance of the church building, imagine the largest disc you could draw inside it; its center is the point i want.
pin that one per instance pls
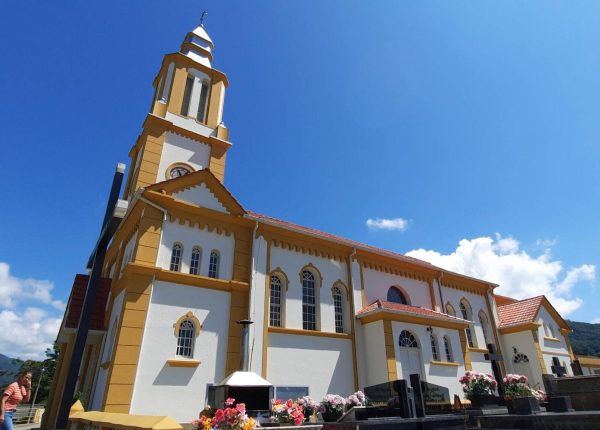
(330, 315)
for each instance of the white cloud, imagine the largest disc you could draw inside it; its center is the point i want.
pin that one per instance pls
(595, 321)
(29, 316)
(397, 224)
(14, 290)
(519, 274)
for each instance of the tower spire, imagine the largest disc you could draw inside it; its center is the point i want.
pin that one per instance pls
(204, 13)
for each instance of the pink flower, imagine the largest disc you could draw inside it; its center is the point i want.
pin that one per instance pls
(230, 401)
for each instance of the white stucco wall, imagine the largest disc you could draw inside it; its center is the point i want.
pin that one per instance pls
(291, 263)
(321, 363)
(106, 353)
(523, 342)
(478, 304)
(180, 391)
(192, 236)
(553, 346)
(378, 283)
(446, 376)
(200, 195)
(180, 149)
(373, 353)
(257, 303)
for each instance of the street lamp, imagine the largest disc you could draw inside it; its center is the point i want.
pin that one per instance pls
(35, 395)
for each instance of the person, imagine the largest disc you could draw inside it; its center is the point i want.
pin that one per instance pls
(17, 392)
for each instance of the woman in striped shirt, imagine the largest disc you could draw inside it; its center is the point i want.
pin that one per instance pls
(14, 394)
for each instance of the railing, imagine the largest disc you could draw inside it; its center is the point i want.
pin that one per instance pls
(94, 420)
(26, 414)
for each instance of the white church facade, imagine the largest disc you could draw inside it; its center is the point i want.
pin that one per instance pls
(330, 315)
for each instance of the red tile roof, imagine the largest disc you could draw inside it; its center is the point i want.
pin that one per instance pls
(391, 306)
(520, 312)
(76, 298)
(348, 242)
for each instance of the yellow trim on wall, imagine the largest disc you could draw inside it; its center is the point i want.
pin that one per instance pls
(351, 305)
(265, 350)
(493, 327)
(482, 350)
(300, 332)
(414, 319)
(188, 316)
(538, 349)
(519, 328)
(390, 351)
(444, 363)
(551, 339)
(465, 349)
(180, 362)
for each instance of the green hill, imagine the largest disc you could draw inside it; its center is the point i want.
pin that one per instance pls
(585, 338)
(8, 369)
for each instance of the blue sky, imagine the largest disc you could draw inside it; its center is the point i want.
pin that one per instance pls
(473, 125)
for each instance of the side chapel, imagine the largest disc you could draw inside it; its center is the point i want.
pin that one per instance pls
(330, 315)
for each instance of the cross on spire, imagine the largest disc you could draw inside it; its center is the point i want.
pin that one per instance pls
(204, 13)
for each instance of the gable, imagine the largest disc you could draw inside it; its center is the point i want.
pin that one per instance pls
(201, 195)
(200, 188)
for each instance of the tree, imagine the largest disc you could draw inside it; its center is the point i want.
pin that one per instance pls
(45, 369)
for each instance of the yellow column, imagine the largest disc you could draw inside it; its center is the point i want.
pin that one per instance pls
(390, 353)
(538, 349)
(465, 349)
(128, 342)
(58, 384)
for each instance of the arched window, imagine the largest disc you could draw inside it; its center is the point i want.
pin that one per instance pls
(550, 330)
(309, 301)
(485, 326)
(448, 349)
(176, 257)
(195, 262)
(213, 265)
(434, 348)
(465, 310)
(450, 310)
(185, 339)
(394, 295)
(275, 302)
(407, 340)
(339, 309)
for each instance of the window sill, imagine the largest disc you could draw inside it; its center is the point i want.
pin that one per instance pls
(551, 339)
(182, 362)
(473, 349)
(106, 364)
(301, 332)
(444, 363)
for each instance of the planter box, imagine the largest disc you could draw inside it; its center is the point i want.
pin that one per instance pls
(331, 416)
(484, 400)
(523, 406)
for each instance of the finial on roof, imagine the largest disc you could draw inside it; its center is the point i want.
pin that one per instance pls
(204, 13)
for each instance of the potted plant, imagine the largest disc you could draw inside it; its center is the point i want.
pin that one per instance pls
(287, 413)
(332, 407)
(520, 398)
(479, 388)
(232, 417)
(310, 407)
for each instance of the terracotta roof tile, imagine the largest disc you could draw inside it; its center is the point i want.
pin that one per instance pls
(520, 312)
(348, 242)
(76, 298)
(415, 310)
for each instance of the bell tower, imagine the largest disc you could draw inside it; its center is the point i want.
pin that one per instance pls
(184, 130)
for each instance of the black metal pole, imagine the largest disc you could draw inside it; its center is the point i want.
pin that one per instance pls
(88, 304)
